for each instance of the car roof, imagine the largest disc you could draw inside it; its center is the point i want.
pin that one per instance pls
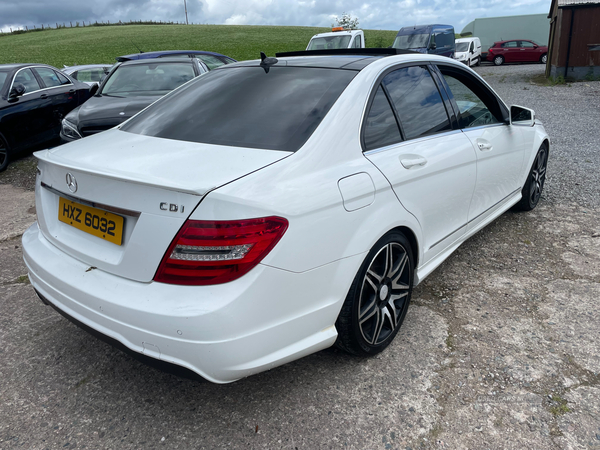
(157, 61)
(146, 55)
(21, 65)
(85, 66)
(336, 33)
(349, 59)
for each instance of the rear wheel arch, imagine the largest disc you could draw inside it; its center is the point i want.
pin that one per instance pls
(412, 239)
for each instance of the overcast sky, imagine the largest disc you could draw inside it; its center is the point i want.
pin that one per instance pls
(381, 14)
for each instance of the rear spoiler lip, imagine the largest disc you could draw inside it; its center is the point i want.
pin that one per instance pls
(349, 52)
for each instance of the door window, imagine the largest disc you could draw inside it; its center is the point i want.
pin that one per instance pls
(49, 76)
(357, 41)
(381, 128)
(63, 79)
(511, 44)
(417, 101)
(27, 79)
(473, 110)
(526, 44)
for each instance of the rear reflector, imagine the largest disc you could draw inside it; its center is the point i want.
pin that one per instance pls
(215, 252)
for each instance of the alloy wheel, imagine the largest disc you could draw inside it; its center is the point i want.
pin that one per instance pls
(544, 59)
(538, 176)
(3, 154)
(498, 60)
(384, 293)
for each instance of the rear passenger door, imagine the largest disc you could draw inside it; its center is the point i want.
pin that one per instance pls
(409, 136)
(61, 91)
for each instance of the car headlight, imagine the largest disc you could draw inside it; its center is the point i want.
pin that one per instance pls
(70, 130)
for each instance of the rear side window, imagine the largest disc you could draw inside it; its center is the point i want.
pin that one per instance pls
(417, 101)
(246, 107)
(49, 76)
(381, 128)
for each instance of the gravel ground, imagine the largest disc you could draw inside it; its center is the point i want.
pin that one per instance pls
(499, 349)
(571, 116)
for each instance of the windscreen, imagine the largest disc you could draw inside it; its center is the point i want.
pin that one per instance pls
(462, 47)
(329, 42)
(246, 107)
(147, 79)
(409, 41)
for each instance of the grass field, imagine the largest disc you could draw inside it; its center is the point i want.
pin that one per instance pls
(70, 46)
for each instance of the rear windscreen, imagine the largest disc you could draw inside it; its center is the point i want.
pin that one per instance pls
(246, 107)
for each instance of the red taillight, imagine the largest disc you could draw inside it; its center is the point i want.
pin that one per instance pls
(215, 252)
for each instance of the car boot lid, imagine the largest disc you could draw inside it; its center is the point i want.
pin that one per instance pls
(186, 167)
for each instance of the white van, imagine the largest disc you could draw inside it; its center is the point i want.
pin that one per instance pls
(468, 51)
(339, 37)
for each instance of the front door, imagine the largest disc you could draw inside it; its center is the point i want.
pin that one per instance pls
(498, 145)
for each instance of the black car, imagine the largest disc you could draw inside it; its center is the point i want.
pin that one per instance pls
(127, 89)
(34, 98)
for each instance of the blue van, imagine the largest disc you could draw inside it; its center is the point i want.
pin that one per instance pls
(433, 39)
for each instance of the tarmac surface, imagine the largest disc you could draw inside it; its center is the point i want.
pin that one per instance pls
(499, 350)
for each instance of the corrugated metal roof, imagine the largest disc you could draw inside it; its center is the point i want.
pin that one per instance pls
(563, 3)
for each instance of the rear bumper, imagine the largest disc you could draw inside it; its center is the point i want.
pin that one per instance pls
(225, 332)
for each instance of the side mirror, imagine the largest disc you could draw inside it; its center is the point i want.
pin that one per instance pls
(93, 89)
(521, 116)
(432, 46)
(471, 52)
(16, 91)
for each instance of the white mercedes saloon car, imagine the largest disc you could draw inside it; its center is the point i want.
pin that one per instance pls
(270, 209)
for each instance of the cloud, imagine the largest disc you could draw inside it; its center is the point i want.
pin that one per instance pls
(384, 14)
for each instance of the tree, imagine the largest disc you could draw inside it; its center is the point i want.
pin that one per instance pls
(346, 21)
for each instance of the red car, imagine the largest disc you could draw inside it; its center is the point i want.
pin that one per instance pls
(517, 51)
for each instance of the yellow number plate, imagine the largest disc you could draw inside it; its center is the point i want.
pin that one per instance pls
(102, 224)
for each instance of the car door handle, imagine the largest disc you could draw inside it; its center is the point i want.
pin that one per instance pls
(484, 146)
(72, 90)
(412, 162)
(44, 96)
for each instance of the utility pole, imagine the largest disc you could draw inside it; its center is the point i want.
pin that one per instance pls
(185, 6)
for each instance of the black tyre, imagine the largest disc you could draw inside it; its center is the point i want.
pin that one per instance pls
(4, 153)
(498, 60)
(378, 299)
(544, 58)
(534, 185)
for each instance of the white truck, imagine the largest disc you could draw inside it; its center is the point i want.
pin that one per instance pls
(339, 37)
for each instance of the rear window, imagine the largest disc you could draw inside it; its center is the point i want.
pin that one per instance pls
(151, 78)
(246, 107)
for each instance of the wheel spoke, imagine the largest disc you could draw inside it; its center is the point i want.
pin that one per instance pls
(378, 278)
(366, 313)
(400, 272)
(377, 328)
(392, 313)
(372, 283)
